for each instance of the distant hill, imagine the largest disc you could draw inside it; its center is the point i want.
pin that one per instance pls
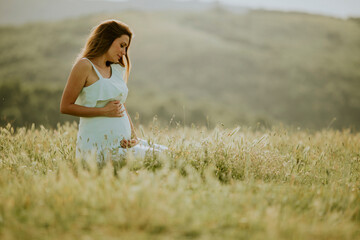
(216, 66)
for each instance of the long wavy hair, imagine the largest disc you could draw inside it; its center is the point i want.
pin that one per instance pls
(101, 38)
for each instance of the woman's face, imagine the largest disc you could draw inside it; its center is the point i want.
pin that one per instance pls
(118, 48)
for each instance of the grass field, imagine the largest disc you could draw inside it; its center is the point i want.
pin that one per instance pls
(212, 184)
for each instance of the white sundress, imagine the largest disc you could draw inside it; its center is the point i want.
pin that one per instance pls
(101, 134)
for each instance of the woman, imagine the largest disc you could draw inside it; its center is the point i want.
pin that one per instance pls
(96, 91)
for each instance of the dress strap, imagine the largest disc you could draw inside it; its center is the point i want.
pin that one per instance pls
(97, 72)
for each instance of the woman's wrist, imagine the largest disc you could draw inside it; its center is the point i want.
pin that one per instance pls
(101, 112)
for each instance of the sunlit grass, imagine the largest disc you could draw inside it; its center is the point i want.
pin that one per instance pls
(221, 183)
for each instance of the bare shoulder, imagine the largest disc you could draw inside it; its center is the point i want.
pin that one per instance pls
(79, 74)
(82, 65)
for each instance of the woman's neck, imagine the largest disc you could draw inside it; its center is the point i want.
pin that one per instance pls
(100, 61)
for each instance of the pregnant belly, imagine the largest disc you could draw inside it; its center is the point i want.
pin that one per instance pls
(103, 131)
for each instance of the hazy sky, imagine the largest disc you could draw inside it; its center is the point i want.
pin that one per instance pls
(339, 8)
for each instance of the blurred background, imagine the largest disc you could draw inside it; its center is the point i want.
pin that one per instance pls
(253, 63)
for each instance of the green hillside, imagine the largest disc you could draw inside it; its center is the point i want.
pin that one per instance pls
(204, 67)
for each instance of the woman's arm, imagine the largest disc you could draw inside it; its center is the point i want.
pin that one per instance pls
(133, 133)
(75, 83)
(134, 140)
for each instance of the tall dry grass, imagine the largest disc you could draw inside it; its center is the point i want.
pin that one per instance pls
(211, 184)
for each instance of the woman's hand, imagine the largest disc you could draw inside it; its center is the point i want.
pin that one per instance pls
(129, 143)
(113, 109)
